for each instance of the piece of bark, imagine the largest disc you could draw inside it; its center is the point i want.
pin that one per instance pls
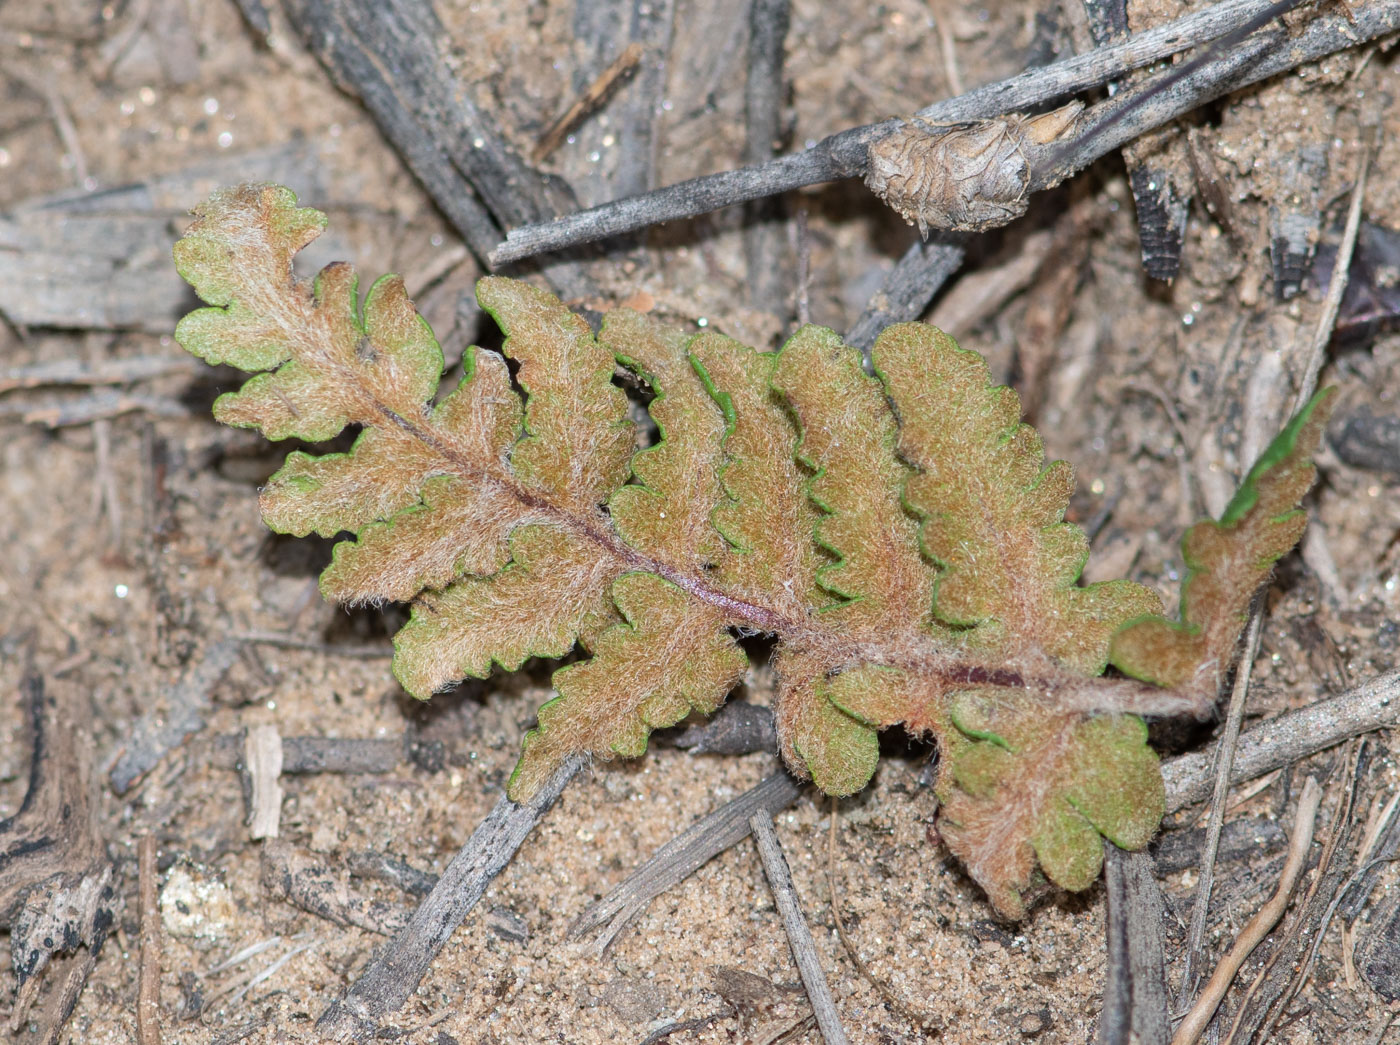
(394, 974)
(262, 755)
(629, 165)
(388, 54)
(738, 728)
(1369, 442)
(318, 754)
(307, 880)
(765, 237)
(1374, 704)
(1295, 215)
(908, 289)
(102, 260)
(386, 868)
(1135, 994)
(57, 885)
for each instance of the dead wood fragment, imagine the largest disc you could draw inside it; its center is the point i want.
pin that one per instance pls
(682, 856)
(101, 260)
(106, 372)
(627, 146)
(308, 881)
(804, 948)
(844, 155)
(394, 974)
(262, 758)
(908, 289)
(1369, 442)
(70, 411)
(1135, 989)
(385, 868)
(1279, 742)
(148, 987)
(387, 53)
(738, 728)
(156, 732)
(318, 754)
(765, 240)
(57, 884)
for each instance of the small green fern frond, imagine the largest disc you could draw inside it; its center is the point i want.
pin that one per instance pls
(901, 537)
(1227, 561)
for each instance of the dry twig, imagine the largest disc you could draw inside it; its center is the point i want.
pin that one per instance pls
(1119, 120)
(1258, 927)
(804, 949)
(1224, 759)
(148, 989)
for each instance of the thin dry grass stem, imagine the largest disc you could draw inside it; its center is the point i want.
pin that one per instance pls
(1337, 286)
(1284, 947)
(148, 989)
(886, 992)
(1224, 761)
(1339, 829)
(1244, 795)
(804, 949)
(592, 99)
(1258, 927)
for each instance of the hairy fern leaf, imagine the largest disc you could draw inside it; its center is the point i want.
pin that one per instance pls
(1227, 560)
(900, 536)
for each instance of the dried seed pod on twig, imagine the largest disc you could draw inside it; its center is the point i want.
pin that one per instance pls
(966, 177)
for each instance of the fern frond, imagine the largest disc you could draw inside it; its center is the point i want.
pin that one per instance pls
(1227, 561)
(902, 538)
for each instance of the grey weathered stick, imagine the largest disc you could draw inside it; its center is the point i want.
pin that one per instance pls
(908, 289)
(319, 754)
(679, 858)
(1283, 740)
(764, 237)
(804, 949)
(843, 155)
(1135, 994)
(394, 975)
(1224, 760)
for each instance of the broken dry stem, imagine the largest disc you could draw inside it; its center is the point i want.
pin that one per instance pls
(1259, 926)
(804, 949)
(148, 989)
(845, 154)
(1224, 759)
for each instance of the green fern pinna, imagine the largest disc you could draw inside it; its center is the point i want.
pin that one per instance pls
(901, 536)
